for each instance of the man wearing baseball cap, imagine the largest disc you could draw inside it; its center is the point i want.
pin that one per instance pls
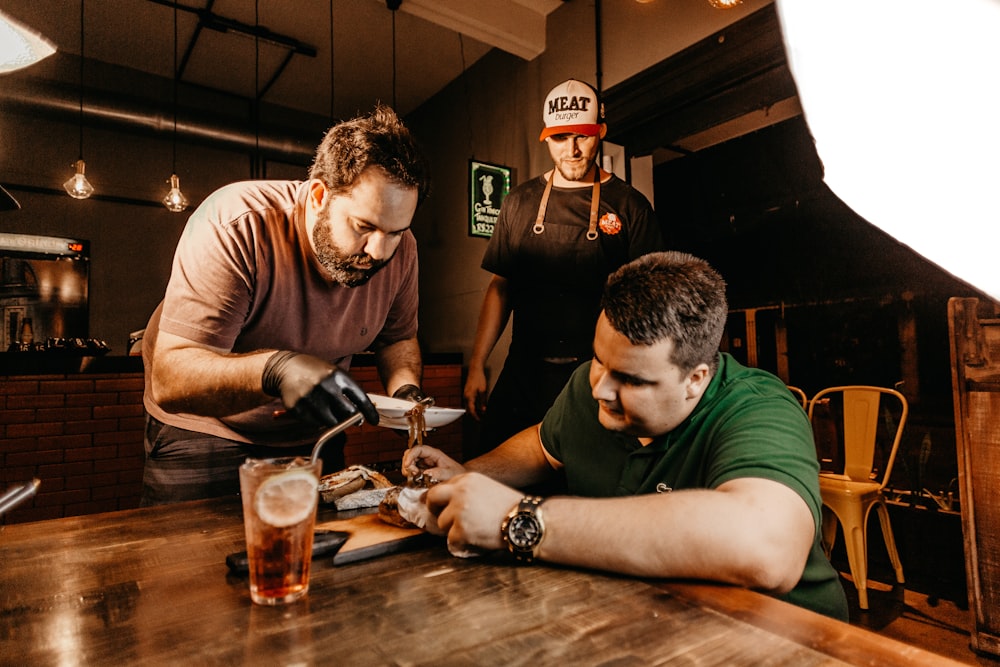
(557, 238)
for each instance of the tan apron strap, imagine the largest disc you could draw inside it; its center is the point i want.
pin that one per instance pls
(540, 218)
(595, 204)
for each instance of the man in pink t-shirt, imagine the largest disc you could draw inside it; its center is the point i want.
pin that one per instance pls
(274, 286)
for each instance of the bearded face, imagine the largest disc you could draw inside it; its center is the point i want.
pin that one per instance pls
(356, 232)
(344, 268)
(573, 154)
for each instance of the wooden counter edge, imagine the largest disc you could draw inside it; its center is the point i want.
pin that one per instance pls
(849, 643)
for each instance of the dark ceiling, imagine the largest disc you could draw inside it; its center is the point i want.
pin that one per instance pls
(721, 78)
(290, 53)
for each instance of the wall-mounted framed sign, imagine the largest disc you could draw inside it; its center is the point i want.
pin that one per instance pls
(488, 185)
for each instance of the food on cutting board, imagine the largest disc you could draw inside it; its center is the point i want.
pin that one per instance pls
(353, 487)
(388, 509)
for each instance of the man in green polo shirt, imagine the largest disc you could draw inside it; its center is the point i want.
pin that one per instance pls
(679, 461)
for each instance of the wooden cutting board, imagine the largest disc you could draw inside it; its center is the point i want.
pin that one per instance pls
(372, 537)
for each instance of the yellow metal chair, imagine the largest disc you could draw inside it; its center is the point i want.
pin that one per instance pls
(851, 495)
(800, 395)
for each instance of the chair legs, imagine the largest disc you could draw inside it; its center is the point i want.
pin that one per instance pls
(890, 541)
(856, 541)
(853, 518)
(829, 530)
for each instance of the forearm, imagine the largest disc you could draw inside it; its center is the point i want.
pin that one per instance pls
(700, 534)
(493, 317)
(399, 363)
(518, 462)
(202, 381)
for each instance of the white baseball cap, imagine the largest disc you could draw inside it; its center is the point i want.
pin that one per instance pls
(573, 107)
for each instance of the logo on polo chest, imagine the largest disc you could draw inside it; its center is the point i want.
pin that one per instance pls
(610, 224)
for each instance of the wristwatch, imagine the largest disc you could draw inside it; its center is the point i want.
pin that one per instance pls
(523, 529)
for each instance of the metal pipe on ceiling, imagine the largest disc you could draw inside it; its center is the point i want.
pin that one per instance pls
(115, 112)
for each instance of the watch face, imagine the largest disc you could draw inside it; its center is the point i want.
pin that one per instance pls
(524, 531)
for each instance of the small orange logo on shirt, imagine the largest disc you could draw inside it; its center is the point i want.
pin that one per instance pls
(610, 224)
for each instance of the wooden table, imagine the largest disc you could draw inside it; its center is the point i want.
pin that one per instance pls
(150, 586)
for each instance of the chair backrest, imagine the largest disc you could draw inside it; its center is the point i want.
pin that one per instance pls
(860, 409)
(800, 396)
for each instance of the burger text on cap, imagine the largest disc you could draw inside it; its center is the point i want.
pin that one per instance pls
(571, 108)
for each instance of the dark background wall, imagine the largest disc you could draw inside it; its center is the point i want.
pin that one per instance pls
(857, 306)
(759, 207)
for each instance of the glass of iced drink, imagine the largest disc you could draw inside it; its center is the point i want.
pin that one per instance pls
(279, 513)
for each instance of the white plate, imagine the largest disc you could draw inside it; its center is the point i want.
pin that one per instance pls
(392, 413)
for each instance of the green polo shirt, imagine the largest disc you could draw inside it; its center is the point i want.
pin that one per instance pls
(746, 424)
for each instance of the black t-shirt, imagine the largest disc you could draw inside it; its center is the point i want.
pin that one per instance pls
(556, 278)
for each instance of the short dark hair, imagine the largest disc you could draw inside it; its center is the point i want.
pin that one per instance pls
(377, 139)
(669, 295)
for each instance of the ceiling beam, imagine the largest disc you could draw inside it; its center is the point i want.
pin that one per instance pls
(737, 73)
(518, 27)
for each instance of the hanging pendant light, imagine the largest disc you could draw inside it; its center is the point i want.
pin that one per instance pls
(724, 4)
(393, 5)
(255, 162)
(333, 114)
(78, 187)
(174, 200)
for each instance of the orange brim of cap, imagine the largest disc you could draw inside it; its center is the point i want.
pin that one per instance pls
(588, 130)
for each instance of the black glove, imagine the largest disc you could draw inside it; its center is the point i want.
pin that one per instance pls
(314, 390)
(409, 392)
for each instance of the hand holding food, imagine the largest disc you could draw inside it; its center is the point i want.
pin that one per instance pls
(430, 463)
(314, 390)
(470, 508)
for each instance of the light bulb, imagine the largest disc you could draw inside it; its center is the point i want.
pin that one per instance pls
(175, 201)
(724, 4)
(79, 187)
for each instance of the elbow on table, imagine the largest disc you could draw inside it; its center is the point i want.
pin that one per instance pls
(765, 572)
(774, 570)
(775, 580)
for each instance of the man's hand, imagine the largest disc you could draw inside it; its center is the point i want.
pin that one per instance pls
(475, 392)
(314, 390)
(409, 392)
(470, 508)
(433, 463)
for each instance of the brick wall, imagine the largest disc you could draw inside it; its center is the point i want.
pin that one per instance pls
(81, 435)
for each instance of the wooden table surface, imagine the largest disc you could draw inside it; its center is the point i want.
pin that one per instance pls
(150, 586)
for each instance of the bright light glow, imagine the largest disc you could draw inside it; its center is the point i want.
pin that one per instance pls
(724, 4)
(175, 201)
(70, 285)
(79, 187)
(20, 46)
(902, 101)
